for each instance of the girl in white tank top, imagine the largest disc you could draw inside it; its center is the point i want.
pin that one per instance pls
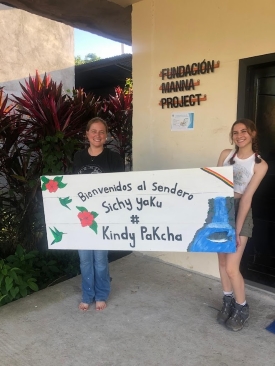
(248, 171)
(243, 170)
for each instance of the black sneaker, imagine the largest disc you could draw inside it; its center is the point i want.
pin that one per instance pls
(226, 310)
(238, 318)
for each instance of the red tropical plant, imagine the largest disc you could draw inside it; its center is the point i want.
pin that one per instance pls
(38, 135)
(17, 169)
(10, 129)
(118, 111)
(47, 110)
(55, 121)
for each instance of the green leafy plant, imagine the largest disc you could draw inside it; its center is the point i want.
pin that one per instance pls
(17, 276)
(26, 272)
(57, 153)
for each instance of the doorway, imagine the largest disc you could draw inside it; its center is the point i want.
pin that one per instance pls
(258, 104)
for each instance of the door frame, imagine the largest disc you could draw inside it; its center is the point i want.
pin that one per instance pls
(244, 84)
(244, 80)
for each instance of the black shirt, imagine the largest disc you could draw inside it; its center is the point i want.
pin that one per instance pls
(106, 162)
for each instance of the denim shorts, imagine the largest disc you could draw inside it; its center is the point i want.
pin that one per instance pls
(248, 222)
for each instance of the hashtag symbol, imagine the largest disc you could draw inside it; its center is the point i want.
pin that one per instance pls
(134, 219)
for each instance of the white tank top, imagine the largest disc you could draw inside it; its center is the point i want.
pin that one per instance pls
(243, 170)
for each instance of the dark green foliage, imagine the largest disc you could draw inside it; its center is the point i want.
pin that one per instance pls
(26, 272)
(57, 154)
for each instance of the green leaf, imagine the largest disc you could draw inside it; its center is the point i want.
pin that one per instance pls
(14, 291)
(61, 185)
(44, 179)
(18, 177)
(2, 297)
(94, 214)
(11, 258)
(19, 251)
(94, 227)
(23, 291)
(81, 209)
(33, 286)
(8, 281)
(30, 255)
(14, 276)
(54, 269)
(58, 179)
(9, 285)
(3, 290)
(31, 279)
(20, 281)
(15, 269)
(51, 262)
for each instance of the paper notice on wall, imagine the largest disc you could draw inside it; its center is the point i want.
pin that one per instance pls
(182, 121)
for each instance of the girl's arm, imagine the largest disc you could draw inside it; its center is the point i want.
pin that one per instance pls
(223, 156)
(246, 199)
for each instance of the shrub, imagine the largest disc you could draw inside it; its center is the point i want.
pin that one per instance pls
(26, 272)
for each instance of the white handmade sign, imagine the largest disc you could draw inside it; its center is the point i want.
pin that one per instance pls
(168, 210)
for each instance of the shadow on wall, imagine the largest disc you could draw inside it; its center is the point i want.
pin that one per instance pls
(66, 76)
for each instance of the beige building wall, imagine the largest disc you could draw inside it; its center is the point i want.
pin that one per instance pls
(29, 43)
(171, 33)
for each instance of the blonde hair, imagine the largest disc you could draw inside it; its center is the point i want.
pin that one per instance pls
(95, 120)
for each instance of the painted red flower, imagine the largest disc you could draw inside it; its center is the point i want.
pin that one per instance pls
(86, 218)
(52, 186)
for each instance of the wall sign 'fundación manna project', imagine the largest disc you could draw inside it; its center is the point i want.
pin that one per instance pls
(182, 79)
(168, 210)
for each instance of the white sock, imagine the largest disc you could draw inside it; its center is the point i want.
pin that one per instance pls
(228, 293)
(243, 304)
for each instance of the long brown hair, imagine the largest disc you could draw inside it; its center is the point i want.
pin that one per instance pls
(252, 130)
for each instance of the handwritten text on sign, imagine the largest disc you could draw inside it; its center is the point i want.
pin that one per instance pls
(167, 210)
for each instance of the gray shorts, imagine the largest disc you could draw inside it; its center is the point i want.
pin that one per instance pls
(248, 222)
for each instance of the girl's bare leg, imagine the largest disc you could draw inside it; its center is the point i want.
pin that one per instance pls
(233, 261)
(225, 280)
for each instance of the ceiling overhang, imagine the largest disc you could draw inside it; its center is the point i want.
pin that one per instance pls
(106, 18)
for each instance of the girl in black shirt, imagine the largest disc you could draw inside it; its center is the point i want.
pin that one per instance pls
(94, 263)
